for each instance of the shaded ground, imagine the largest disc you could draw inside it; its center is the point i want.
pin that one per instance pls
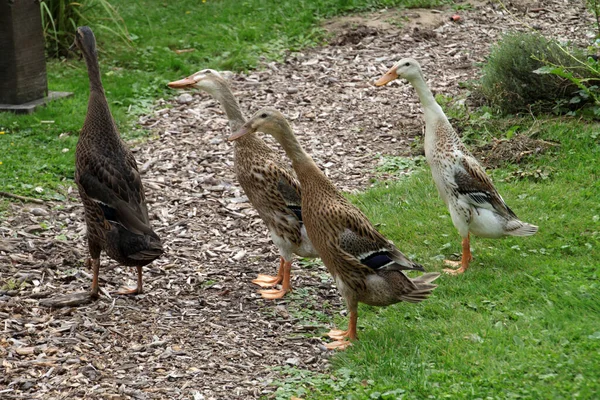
(201, 328)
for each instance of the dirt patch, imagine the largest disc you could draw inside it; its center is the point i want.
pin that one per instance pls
(388, 21)
(200, 330)
(514, 151)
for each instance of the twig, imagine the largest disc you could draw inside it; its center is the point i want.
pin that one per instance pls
(23, 198)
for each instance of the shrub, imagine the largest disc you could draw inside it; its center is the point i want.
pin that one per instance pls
(510, 83)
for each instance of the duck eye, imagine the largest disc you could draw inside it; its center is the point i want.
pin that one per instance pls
(208, 71)
(264, 115)
(407, 64)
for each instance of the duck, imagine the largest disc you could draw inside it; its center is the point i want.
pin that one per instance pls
(109, 183)
(365, 266)
(270, 185)
(475, 205)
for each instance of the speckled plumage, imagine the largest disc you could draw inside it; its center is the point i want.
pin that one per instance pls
(109, 183)
(474, 203)
(365, 265)
(271, 186)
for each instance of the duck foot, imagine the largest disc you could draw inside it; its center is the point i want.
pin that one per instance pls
(464, 261)
(454, 264)
(126, 291)
(450, 271)
(285, 272)
(69, 300)
(267, 280)
(273, 294)
(338, 345)
(338, 334)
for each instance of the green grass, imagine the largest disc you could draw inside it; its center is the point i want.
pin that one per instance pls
(523, 322)
(227, 34)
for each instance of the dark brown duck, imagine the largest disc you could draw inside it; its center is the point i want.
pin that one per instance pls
(109, 183)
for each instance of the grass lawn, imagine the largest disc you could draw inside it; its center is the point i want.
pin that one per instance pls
(228, 34)
(523, 322)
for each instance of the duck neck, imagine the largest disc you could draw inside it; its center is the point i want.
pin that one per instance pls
(291, 146)
(431, 108)
(302, 163)
(231, 106)
(91, 61)
(97, 105)
(435, 119)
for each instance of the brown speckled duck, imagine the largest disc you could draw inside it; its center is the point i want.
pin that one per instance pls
(109, 183)
(366, 266)
(474, 203)
(271, 186)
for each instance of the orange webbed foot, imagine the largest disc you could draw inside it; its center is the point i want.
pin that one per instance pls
(338, 345)
(126, 291)
(273, 294)
(338, 334)
(267, 280)
(450, 271)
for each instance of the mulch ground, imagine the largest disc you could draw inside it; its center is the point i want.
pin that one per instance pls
(201, 330)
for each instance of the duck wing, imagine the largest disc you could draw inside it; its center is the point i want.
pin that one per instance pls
(361, 240)
(475, 187)
(289, 189)
(115, 184)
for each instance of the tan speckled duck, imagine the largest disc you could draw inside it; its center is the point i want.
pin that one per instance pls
(109, 183)
(270, 185)
(474, 203)
(365, 265)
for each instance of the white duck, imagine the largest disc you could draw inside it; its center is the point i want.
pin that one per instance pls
(475, 205)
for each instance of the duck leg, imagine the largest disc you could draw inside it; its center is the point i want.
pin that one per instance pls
(268, 280)
(95, 263)
(340, 336)
(286, 285)
(136, 290)
(465, 260)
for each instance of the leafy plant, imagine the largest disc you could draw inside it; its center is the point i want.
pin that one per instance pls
(60, 19)
(509, 81)
(588, 95)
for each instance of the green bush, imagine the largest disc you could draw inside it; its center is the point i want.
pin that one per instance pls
(510, 83)
(60, 19)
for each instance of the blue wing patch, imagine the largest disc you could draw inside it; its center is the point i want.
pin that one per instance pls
(377, 260)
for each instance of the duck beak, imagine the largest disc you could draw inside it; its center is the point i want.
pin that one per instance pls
(244, 130)
(387, 78)
(182, 83)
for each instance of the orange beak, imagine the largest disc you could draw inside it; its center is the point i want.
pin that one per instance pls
(244, 130)
(387, 78)
(182, 83)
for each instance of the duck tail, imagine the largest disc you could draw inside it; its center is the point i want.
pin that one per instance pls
(151, 251)
(424, 287)
(140, 249)
(520, 228)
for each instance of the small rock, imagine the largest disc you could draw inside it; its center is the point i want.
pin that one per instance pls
(239, 255)
(185, 98)
(38, 211)
(292, 90)
(292, 361)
